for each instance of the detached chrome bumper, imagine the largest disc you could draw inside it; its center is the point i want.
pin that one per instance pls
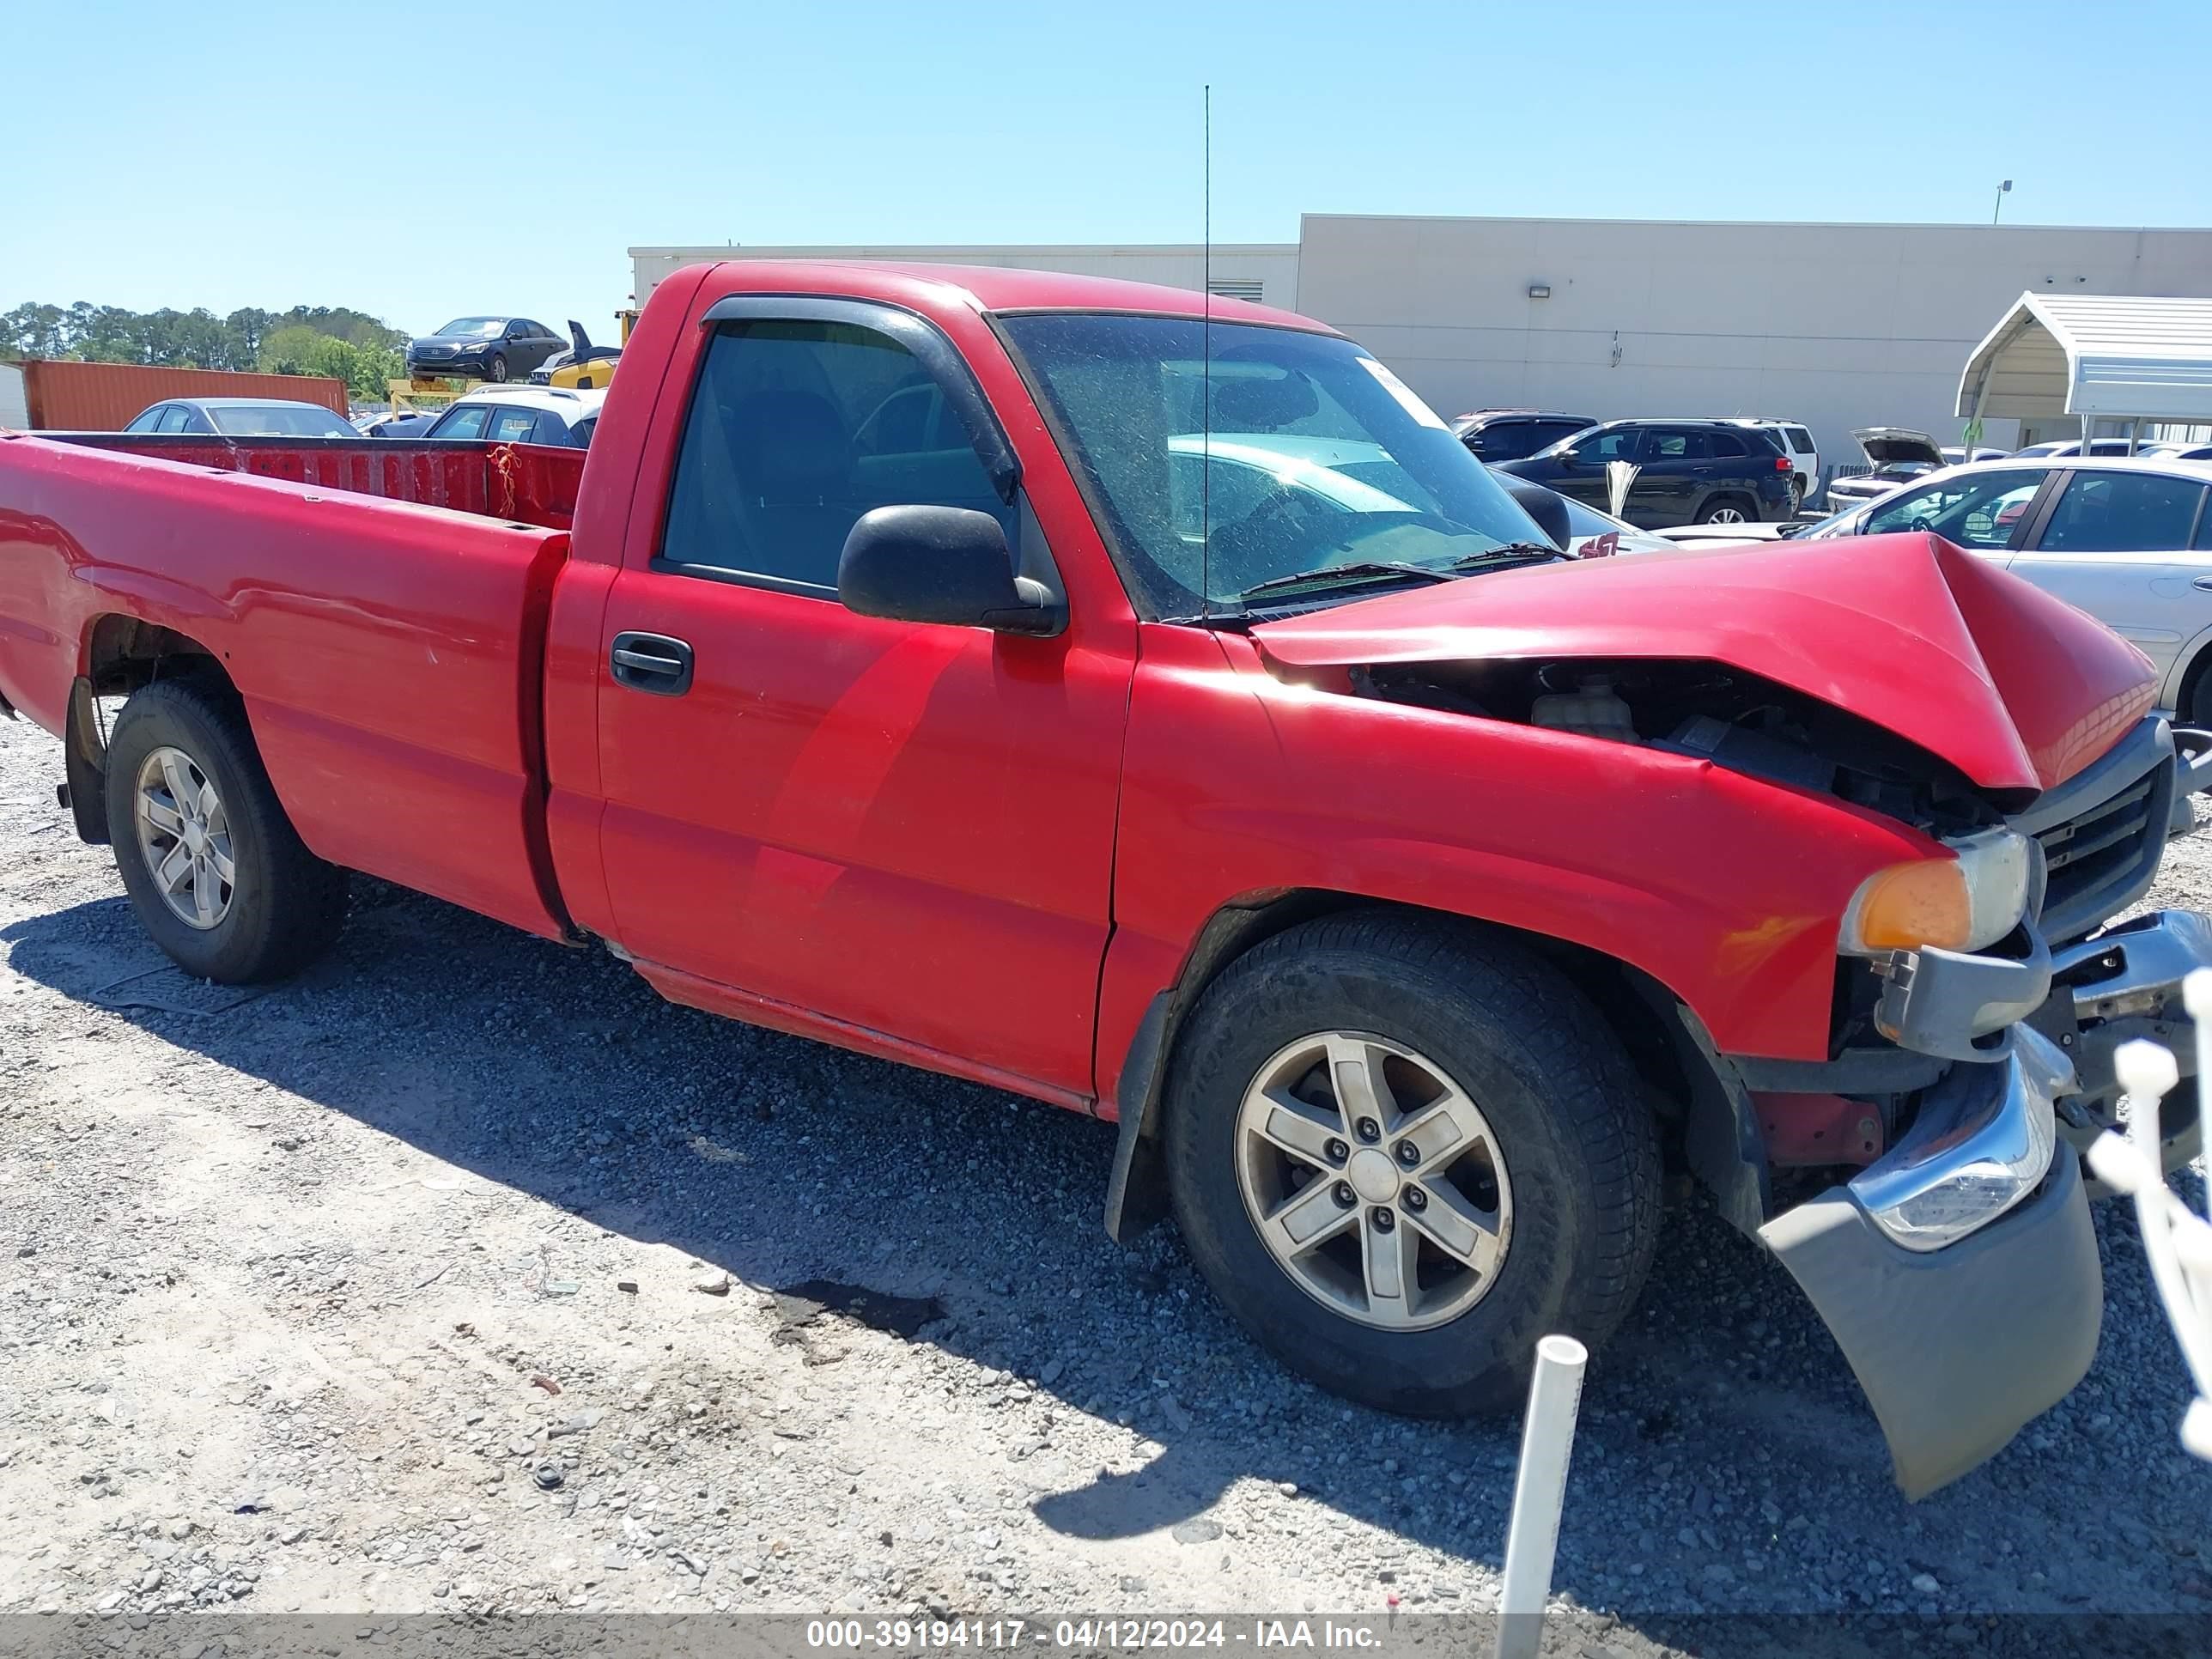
(1958, 1273)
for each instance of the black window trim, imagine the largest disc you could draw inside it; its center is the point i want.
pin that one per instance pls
(931, 349)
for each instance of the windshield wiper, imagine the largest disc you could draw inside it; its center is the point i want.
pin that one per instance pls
(1512, 553)
(1366, 570)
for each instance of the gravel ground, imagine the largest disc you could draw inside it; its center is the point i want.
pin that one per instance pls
(464, 1273)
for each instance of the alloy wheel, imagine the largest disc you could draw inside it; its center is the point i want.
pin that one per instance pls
(184, 834)
(1374, 1181)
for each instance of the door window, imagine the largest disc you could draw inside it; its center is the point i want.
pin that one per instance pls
(1613, 444)
(792, 434)
(1510, 441)
(175, 418)
(1727, 446)
(512, 426)
(148, 422)
(462, 421)
(1974, 509)
(1674, 444)
(2123, 512)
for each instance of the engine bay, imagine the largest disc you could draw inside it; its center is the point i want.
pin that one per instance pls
(1710, 711)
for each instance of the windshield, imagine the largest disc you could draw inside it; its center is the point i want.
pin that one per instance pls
(1318, 457)
(278, 420)
(474, 328)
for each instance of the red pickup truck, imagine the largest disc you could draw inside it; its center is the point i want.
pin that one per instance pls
(1155, 711)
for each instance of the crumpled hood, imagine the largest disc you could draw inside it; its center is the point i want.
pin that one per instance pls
(2017, 690)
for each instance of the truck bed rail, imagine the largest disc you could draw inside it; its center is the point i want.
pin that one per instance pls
(526, 483)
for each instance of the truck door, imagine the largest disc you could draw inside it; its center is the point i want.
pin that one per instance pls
(822, 820)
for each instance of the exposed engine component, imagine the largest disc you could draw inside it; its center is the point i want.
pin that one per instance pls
(1735, 720)
(1592, 709)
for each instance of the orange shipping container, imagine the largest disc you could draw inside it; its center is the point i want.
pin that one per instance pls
(63, 396)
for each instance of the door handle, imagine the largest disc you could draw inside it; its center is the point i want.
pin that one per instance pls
(2204, 582)
(1701, 471)
(652, 662)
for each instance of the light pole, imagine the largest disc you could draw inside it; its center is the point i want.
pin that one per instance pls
(2003, 189)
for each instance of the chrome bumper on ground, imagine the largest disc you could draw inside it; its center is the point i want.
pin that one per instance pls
(1958, 1273)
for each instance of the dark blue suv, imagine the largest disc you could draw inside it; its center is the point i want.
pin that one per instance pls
(1686, 472)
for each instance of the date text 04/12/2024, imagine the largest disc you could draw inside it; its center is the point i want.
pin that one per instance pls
(920, 1635)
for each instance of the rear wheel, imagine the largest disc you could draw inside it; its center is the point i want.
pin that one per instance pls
(215, 872)
(1401, 1151)
(1724, 509)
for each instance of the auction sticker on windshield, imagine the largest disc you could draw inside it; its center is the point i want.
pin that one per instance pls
(1408, 399)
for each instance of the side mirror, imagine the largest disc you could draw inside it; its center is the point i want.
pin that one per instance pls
(941, 564)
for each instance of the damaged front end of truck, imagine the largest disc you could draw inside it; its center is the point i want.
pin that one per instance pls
(1917, 1181)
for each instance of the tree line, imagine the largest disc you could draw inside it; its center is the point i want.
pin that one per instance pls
(333, 340)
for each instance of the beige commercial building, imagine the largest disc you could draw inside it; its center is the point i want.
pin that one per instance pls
(1835, 326)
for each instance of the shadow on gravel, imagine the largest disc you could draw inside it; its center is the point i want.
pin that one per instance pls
(1726, 1460)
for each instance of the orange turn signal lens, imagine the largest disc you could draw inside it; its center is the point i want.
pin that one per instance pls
(1967, 900)
(1909, 905)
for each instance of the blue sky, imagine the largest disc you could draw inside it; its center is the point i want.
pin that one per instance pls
(419, 162)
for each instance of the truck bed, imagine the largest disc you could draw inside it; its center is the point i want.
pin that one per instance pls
(525, 484)
(390, 654)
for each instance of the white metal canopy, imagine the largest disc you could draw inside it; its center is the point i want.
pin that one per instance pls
(2092, 355)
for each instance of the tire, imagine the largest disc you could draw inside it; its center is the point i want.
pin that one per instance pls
(1727, 509)
(496, 369)
(2196, 707)
(1571, 1135)
(281, 907)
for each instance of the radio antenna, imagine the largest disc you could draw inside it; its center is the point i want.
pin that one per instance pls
(1206, 381)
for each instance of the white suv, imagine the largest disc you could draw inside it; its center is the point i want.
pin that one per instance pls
(1797, 443)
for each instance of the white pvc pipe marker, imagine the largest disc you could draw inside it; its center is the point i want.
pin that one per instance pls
(1532, 1536)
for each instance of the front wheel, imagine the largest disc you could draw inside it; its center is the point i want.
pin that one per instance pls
(1401, 1151)
(215, 872)
(496, 369)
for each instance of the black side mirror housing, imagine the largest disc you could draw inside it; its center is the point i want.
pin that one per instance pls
(949, 565)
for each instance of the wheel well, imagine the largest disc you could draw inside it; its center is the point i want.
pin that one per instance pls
(2189, 678)
(121, 654)
(1702, 1108)
(1636, 1007)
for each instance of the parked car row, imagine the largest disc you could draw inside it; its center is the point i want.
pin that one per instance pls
(506, 415)
(1736, 471)
(1686, 472)
(1898, 454)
